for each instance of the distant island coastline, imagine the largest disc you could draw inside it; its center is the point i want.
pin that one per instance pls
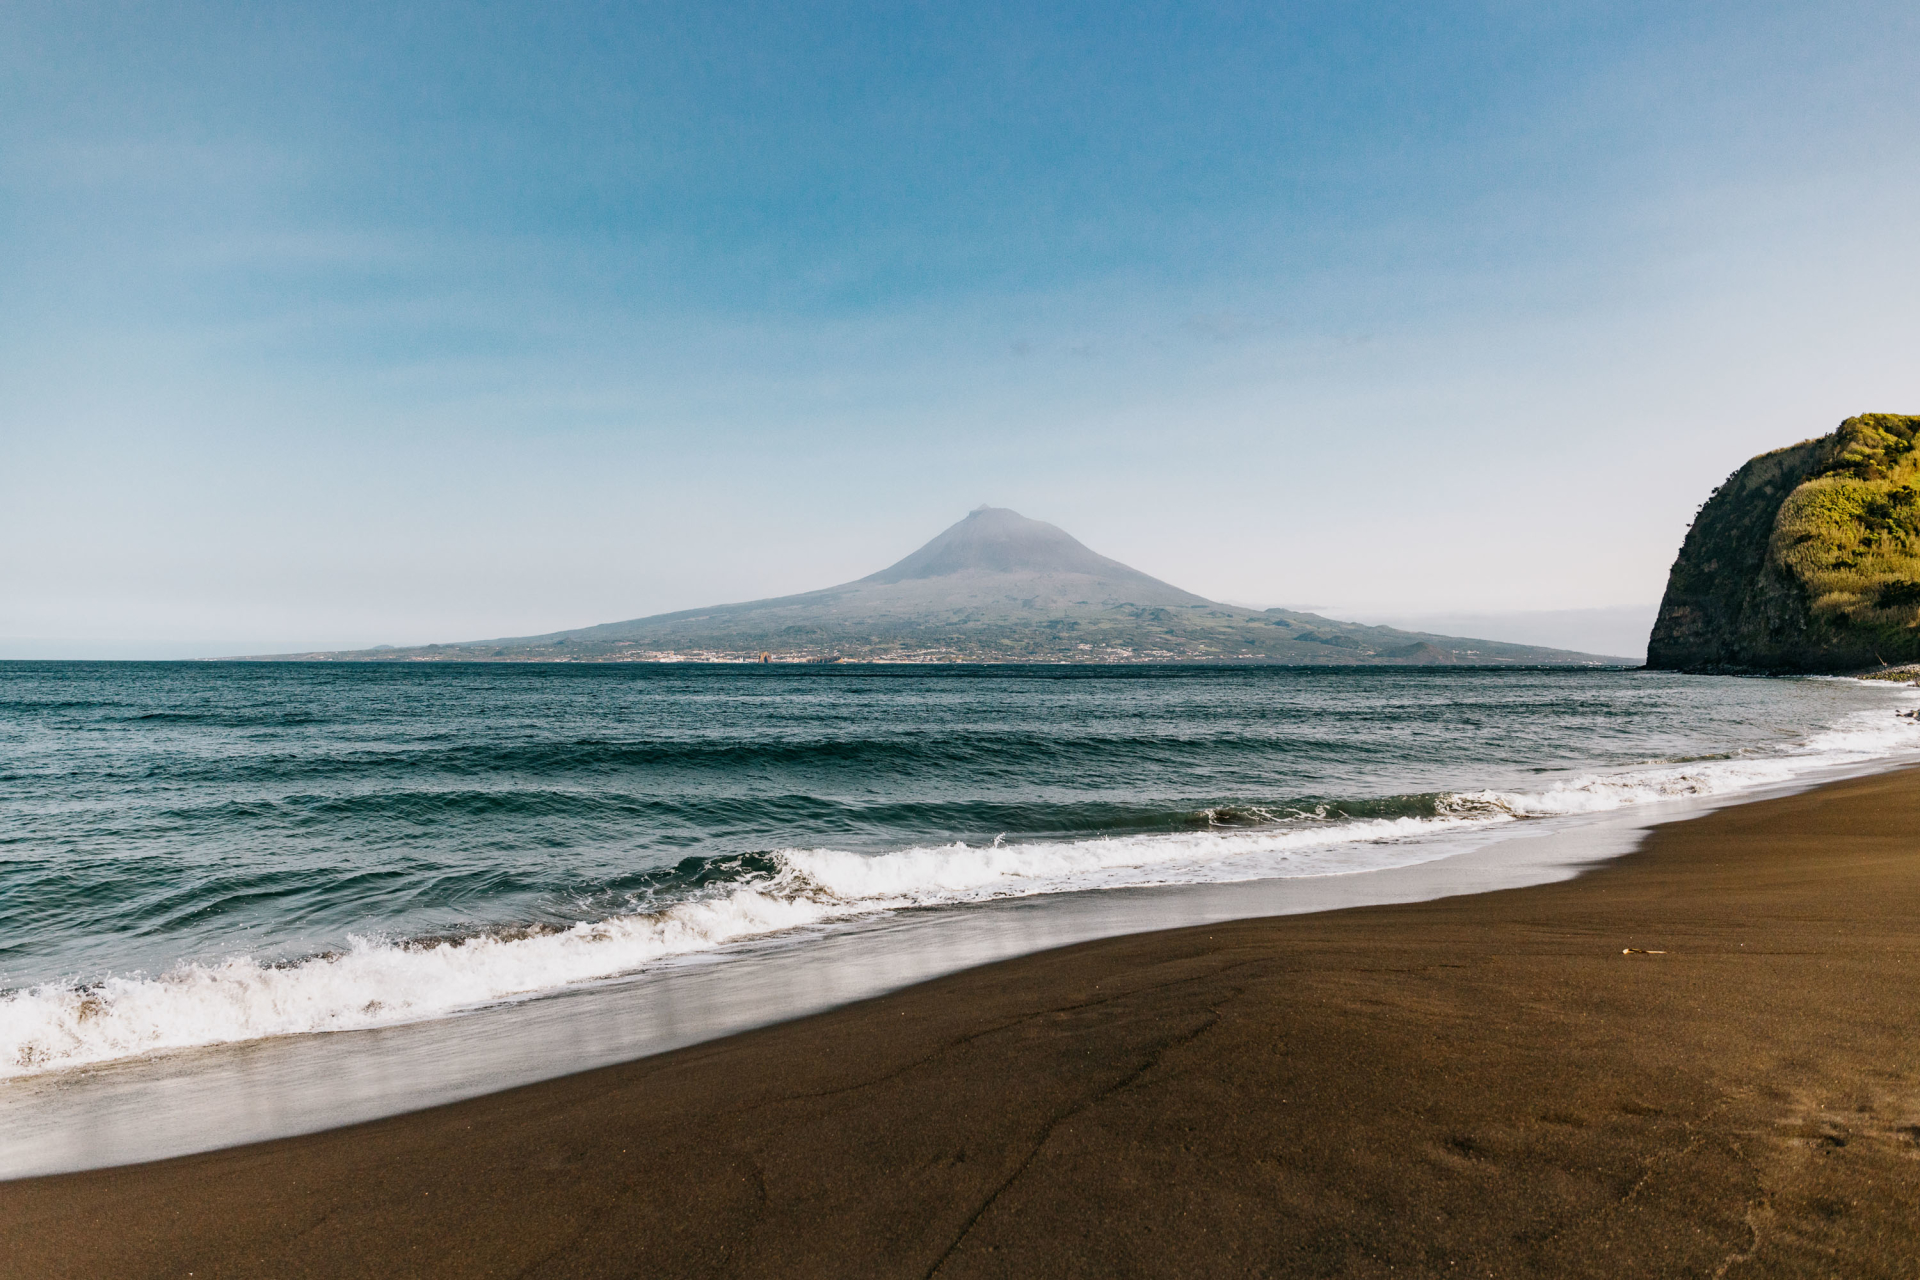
(996, 587)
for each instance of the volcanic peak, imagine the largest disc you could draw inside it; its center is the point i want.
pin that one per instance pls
(997, 540)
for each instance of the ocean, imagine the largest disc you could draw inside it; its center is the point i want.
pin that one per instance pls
(203, 854)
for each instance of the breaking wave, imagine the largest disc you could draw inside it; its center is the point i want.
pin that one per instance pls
(711, 903)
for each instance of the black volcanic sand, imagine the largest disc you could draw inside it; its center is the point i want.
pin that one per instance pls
(1479, 1086)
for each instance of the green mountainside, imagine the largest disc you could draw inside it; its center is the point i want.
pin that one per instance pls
(996, 587)
(1806, 559)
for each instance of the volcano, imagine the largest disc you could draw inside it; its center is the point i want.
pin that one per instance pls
(995, 587)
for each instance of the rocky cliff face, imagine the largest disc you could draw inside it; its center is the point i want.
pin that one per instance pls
(1806, 560)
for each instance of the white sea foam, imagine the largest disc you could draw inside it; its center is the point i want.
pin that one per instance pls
(379, 982)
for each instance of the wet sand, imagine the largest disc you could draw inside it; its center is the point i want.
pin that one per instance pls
(1481, 1085)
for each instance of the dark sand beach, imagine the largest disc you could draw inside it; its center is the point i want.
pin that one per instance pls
(1477, 1086)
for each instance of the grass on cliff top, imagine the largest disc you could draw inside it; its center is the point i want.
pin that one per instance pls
(1851, 532)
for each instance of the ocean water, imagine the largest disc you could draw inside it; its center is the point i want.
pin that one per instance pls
(203, 853)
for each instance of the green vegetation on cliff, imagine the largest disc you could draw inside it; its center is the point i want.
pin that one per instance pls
(1851, 533)
(1806, 559)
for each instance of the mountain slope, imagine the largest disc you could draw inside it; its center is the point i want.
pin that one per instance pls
(995, 587)
(1806, 559)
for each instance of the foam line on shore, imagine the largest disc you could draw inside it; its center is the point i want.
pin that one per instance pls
(380, 982)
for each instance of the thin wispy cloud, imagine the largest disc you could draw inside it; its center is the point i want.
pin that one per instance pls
(1456, 308)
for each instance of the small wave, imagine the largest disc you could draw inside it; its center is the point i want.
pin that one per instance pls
(1863, 736)
(589, 758)
(377, 983)
(380, 982)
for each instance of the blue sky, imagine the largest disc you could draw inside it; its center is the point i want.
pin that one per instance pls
(399, 323)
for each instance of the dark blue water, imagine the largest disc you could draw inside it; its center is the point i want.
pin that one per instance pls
(211, 851)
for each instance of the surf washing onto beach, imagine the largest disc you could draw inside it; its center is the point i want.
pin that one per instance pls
(207, 854)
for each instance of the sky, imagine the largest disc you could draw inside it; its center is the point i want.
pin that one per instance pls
(400, 323)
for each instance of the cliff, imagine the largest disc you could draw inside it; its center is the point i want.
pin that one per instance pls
(1806, 560)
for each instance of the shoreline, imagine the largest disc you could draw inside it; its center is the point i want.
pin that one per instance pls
(230, 1094)
(1481, 1080)
(204, 1098)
